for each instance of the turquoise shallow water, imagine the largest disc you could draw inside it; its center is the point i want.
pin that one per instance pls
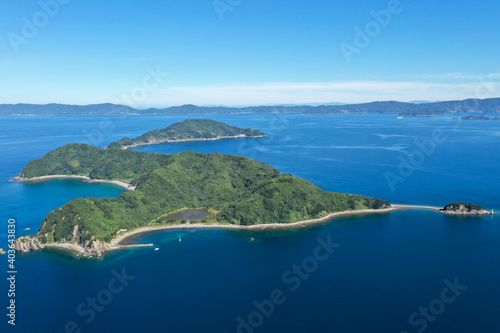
(382, 270)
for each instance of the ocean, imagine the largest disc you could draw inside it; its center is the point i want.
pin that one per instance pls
(402, 272)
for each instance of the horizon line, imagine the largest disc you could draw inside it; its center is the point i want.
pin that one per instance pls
(312, 104)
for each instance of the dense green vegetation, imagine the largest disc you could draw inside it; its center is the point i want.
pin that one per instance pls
(188, 129)
(241, 190)
(86, 160)
(491, 105)
(467, 207)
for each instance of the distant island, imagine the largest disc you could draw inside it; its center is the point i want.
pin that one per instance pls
(479, 118)
(237, 192)
(429, 109)
(189, 130)
(462, 208)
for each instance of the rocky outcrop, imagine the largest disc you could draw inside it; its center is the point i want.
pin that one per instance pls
(93, 248)
(463, 208)
(98, 248)
(465, 212)
(28, 243)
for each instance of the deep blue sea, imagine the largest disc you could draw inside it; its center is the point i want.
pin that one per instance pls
(407, 271)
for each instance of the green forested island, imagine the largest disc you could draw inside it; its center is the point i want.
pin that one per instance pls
(188, 130)
(237, 190)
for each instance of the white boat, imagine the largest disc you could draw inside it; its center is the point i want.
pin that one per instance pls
(400, 117)
(180, 239)
(157, 249)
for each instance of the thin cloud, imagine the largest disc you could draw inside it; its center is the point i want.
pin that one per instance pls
(460, 76)
(323, 92)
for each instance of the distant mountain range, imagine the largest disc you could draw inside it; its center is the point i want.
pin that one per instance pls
(491, 105)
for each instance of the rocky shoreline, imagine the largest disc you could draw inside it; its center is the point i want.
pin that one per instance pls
(156, 142)
(472, 212)
(463, 208)
(98, 248)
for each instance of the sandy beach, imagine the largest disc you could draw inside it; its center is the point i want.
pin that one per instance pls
(116, 242)
(399, 206)
(120, 183)
(119, 239)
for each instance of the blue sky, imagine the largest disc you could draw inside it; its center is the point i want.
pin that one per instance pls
(247, 52)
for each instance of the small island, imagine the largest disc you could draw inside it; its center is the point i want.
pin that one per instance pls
(189, 130)
(479, 118)
(235, 191)
(462, 208)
